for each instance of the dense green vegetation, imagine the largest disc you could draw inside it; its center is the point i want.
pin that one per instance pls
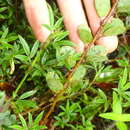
(32, 75)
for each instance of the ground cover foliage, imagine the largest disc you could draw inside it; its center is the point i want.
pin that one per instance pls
(97, 96)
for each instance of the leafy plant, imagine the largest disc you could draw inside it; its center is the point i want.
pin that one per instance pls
(32, 125)
(117, 105)
(43, 74)
(67, 115)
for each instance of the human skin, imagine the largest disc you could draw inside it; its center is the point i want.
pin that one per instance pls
(74, 15)
(37, 15)
(109, 42)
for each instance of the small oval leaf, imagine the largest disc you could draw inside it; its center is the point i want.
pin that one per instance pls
(54, 82)
(102, 7)
(85, 33)
(79, 73)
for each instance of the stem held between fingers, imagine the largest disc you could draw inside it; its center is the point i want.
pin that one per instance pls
(87, 47)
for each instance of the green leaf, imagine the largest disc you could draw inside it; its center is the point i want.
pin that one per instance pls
(11, 38)
(102, 94)
(48, 27)
(23, 121)
(123, 6)
(109, 75)
(67, 50)
(2, 16)
(25, 104)
(116, 116)
(30, 119)
(97, 54)
(115, 27)
(121, 125)
(17, 127)
(104, 97)
(3, 9)
(28, 94)
(126, 87)
(54, 82)
(67, 56)
(6, 31)
(64, 43)
(5, 44)
(60, 35)
(79, 73)
(123, 79)
(34, 49)
(85, 33)
(123, 62)
(116, 106)
(58, 23)
(22, 58)
(25, 45)
(102, 7)
(38, 118)
(51, 15)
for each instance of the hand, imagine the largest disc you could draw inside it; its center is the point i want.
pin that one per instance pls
(73, 14)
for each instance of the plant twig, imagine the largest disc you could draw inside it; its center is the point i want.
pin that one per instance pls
(70, 74)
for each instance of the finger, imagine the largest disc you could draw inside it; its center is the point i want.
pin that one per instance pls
(37, 15)
(73, 17)
(110, 42)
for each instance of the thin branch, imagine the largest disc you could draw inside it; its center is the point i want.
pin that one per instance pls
(70, 74)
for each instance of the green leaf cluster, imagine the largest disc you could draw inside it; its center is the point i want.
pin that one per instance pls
(33, 124)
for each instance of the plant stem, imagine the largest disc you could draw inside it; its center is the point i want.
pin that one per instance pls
(70, 74)
(26, 74)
